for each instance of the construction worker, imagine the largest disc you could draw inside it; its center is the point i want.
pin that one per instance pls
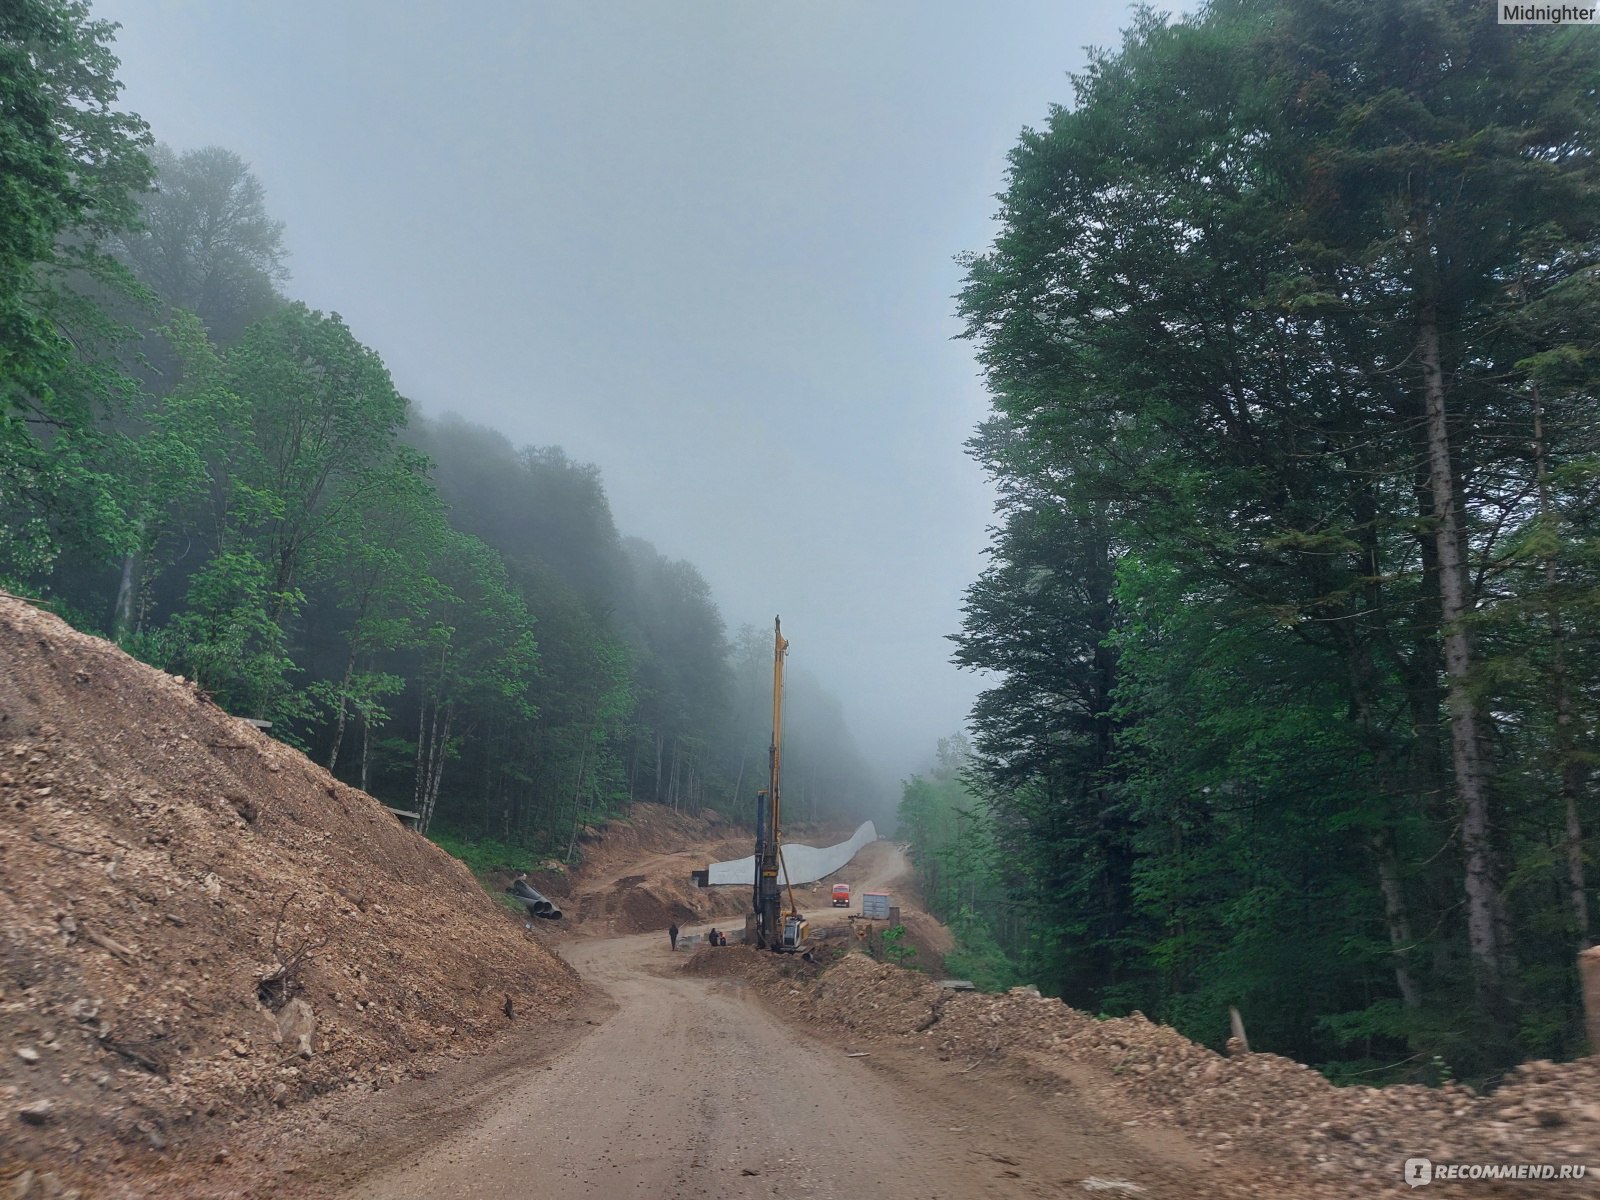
(672, 932)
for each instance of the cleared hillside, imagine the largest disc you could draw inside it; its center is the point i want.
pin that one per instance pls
(175, 886)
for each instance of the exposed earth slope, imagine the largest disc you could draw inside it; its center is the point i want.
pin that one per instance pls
(174, 886)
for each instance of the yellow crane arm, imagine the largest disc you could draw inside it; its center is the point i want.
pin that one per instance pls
(780, 651)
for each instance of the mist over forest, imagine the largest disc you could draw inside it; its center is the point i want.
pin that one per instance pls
(233, 489)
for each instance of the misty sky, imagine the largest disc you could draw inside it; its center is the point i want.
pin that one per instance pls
(705, 245)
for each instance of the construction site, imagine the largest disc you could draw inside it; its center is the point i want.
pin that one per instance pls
(227, 974)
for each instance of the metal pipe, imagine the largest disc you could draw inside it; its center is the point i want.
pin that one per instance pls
(537, 904)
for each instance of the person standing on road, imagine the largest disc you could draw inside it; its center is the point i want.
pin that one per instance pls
(672, 932)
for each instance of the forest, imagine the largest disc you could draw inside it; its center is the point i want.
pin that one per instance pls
(227, 482)
(1290, 327)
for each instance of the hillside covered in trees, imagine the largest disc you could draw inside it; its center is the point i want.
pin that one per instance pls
(1291, 331)
(228, 483)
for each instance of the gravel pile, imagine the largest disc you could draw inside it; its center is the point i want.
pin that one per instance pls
(1347, 1141)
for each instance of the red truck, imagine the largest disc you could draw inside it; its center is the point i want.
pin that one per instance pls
(841, 895)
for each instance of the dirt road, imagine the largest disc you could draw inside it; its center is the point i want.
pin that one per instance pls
(691, 1088)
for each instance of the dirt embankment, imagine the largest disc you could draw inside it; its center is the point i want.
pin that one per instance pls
(1347, 1140)
(197, 924)
(634, 873)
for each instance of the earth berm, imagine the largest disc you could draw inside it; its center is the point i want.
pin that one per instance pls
(1328, 1141)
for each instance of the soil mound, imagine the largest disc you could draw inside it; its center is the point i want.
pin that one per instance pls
(197, 923)
(1352, 1140)
(635, 872)
(729, 962)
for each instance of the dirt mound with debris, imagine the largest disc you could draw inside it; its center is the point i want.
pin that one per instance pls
(1350, 1140)
(635, 872)
(737, 961)
(197, 923)
(650, 831)
(646, 903)
(922, 940)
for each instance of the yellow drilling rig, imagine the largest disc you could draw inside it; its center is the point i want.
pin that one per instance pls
(768, 926)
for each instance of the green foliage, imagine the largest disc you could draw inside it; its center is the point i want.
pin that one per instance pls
(960, 866)
(894, 948)
(1218, 757)
(226, 640)
(73, 165)
(978, 956)
(205, 242)
(485, 856)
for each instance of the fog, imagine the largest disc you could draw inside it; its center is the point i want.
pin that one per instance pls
(706, 246)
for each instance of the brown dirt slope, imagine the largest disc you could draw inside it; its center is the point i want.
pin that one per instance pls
(635, 872)
(158, 859)
(1350, 1140)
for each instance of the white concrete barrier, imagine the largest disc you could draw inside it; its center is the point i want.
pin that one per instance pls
(806, 864)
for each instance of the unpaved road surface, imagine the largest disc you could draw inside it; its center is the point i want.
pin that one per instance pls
(690, 1088)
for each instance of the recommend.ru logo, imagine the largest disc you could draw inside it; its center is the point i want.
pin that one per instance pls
(1420, 1171)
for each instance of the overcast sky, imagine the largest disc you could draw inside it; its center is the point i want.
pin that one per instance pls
(705, 244)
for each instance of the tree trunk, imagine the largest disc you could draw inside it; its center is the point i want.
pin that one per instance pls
(1486, 920)
(425, 736)
(1574, 773)
(439, 741)
(1589, 980)
(660, 746)
(672, 782)
(366, 751)
(283, 580)
(1399, 920)
(344, 709)
(127, 588)
(577, 790)
(1573, 777)
(422, 754)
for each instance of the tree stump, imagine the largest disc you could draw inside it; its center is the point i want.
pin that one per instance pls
(1589, 976)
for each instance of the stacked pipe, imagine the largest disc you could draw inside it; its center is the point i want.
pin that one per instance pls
(535, 901)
